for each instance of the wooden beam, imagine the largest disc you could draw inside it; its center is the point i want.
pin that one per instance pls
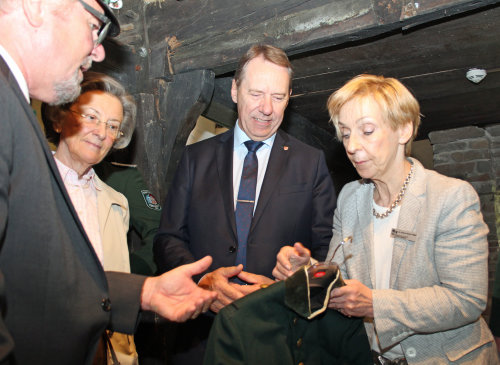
(164, 122)
(214, 34)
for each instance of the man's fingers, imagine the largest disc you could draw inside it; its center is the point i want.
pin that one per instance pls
(227, 292)
(199, 266)
(230, 271)
(248, 289)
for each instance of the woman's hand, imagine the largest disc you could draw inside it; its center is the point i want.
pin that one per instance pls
(289, 259)
(353, 299)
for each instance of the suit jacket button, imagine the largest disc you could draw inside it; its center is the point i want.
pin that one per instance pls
(106, 304)
(232, 249)
(299, 342)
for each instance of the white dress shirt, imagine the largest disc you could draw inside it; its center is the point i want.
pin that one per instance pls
(239, 153)
(83, 194)
(16, 71)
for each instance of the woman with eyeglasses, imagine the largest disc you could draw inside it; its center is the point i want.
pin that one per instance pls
(101, 118)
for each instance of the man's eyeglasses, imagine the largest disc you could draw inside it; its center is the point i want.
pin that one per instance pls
(105, 26)
(112, 126)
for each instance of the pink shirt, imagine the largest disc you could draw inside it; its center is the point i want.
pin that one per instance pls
(83, 194)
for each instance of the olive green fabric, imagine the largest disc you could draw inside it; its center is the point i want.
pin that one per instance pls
(261, 329)
(145, 212)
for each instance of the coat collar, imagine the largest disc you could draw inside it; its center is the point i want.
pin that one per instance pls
(275, 168)
(280, 152)
(106, 199)
(224, 157)
(33, 123)
(407, 222)
(410, 209)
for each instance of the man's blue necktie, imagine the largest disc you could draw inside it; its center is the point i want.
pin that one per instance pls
(246, 199)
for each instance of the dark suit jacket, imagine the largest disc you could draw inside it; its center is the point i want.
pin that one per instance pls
(296, 203)
(58, 298)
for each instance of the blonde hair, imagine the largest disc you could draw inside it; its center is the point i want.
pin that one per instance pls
(397, 103)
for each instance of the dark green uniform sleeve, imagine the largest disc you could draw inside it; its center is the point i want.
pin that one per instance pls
(145, 212)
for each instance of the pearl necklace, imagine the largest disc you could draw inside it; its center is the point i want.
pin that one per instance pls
(398, 199)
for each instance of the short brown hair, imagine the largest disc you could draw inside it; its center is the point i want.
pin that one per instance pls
(270, 53)
(397, 103)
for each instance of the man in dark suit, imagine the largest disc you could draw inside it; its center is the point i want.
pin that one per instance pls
(55, 298)
(294, 195)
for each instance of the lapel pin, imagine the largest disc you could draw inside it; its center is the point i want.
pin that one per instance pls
(285, 148)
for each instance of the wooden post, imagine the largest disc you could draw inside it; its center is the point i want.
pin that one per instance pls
(164, 122)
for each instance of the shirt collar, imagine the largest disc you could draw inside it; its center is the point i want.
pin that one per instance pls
(70, 176)
(240, 137)
(16, 71)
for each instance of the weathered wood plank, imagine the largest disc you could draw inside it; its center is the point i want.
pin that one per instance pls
(214, 34)
(164, 122)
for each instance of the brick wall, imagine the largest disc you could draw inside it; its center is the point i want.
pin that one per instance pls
(473, 154)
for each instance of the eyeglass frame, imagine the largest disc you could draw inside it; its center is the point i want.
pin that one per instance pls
(119, 132)
(106, 22)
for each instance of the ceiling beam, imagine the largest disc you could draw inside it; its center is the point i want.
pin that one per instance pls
(214, 34)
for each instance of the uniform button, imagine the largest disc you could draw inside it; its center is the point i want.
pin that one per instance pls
(295, 320)
(299, 342)
(301, 363)
(232, 249)
(106, 304)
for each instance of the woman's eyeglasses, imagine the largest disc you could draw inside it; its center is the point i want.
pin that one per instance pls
(112, 126)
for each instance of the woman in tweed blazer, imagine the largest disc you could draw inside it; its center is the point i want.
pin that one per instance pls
(416, 261)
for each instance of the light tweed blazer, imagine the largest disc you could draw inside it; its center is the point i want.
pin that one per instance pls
(439, 277)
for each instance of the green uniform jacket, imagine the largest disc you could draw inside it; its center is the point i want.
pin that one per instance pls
(145, 211)
(261, 329)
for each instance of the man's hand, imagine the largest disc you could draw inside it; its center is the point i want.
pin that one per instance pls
(175, 296)
(228, 292)
(353, 299)
(256, 282)
(289, 259)
(218, 281)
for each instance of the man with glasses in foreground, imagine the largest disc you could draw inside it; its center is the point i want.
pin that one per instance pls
(55, 298)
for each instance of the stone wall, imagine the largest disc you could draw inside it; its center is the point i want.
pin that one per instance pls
(473, 154)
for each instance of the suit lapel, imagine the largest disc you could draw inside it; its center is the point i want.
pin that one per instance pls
(104, 204)
(410, 209)
(275, 168)
(30, 115)
(224, 156)
(364, 204)
(9, 76)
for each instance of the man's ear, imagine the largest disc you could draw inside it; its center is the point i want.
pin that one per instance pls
(234, 91)
(33, 10)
